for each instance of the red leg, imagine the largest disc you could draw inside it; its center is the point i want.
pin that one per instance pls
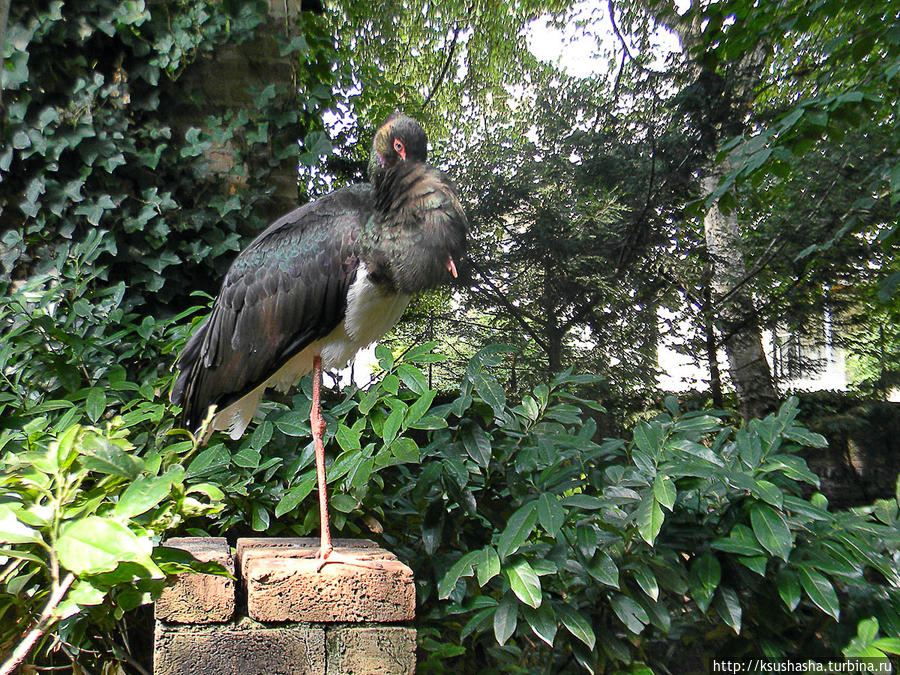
(326, 553)
(317, 422)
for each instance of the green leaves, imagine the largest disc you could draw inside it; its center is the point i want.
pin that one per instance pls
(664, 491)
(210, 461)
(524, 582)
(867, 643)
(705, 575)
(517, 530)
(465, 566)
(505, 619)
(728, 607)
(550, 514)
(771, 530)
(145, 492)
(95, 404)
(730, 524)
(788, 588)
(649, 518)
(820, 591)
(93, 545)
(491, 392)
(629, 612)
(542, 622)
(488, 566)
(477, 444)
(603, 568)
(86, 504)
(317, 145)
(577, 625)
(526, 523)
(14, 531)
(103, 456)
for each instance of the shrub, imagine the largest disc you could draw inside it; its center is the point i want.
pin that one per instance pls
(91, 477)
(80, 519)
(538, 547)
(109, 143)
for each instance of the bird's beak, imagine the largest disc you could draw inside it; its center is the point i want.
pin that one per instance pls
(451, 266)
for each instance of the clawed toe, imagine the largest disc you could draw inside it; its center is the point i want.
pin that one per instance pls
(330, 557)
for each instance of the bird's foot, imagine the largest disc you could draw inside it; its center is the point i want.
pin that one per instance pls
(328, 556)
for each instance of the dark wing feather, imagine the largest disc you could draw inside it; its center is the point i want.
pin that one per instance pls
(287, 289)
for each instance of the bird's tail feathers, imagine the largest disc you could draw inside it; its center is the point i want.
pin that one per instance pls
(190, 373)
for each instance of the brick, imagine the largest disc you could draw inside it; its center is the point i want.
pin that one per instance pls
(370, 650)
(245, 648)
(248, 548)
(282, 583)
(199, 598)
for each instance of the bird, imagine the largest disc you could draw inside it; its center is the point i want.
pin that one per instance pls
(317, 285)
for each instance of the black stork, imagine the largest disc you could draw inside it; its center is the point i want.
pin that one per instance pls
(319, 284)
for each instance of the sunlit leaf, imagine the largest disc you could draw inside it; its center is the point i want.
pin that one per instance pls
(518, 529)
(524, 582)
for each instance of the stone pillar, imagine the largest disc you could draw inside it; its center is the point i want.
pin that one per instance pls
(286, 617)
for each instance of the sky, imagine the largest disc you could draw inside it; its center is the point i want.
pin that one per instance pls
(577, 47)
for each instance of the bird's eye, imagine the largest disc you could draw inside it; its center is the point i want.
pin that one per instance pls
(398, 147)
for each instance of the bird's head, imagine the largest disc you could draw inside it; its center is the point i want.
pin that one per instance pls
(399, 139)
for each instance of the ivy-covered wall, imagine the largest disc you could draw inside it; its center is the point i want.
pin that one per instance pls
(112, 145)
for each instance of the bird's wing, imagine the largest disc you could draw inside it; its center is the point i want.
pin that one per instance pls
(287, 289)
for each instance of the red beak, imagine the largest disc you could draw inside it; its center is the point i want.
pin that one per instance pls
(451, 266)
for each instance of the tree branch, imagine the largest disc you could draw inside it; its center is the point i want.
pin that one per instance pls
(40, 628)
(618, 34)
(443, 73)
(767, 256)
(511, 308)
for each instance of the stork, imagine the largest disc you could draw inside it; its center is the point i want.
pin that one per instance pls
(319, 284)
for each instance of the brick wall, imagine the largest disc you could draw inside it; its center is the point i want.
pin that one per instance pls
(280, 615)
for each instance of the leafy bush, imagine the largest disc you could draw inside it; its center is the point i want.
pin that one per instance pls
(269, 478)
(693, 537)
(525, 532)
(80, 517)
(90, 476)
(109, 142)
(71, 349)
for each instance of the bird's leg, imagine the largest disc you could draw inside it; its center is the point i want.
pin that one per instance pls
(317, 423)
(326, 553)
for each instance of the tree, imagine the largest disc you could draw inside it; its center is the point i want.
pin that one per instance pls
(716, 99)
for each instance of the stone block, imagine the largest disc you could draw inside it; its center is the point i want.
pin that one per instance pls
(245, 648)
(282, 583)
(370, 650)
(199, 598)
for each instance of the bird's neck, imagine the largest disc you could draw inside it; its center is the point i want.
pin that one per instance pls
(391, 186)
(415, 224)
(392, 225)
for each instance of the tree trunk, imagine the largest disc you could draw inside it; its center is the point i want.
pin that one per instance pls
(4, 15)
(732, 306)
(737, 318)
(712, 358)
(553, 331)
